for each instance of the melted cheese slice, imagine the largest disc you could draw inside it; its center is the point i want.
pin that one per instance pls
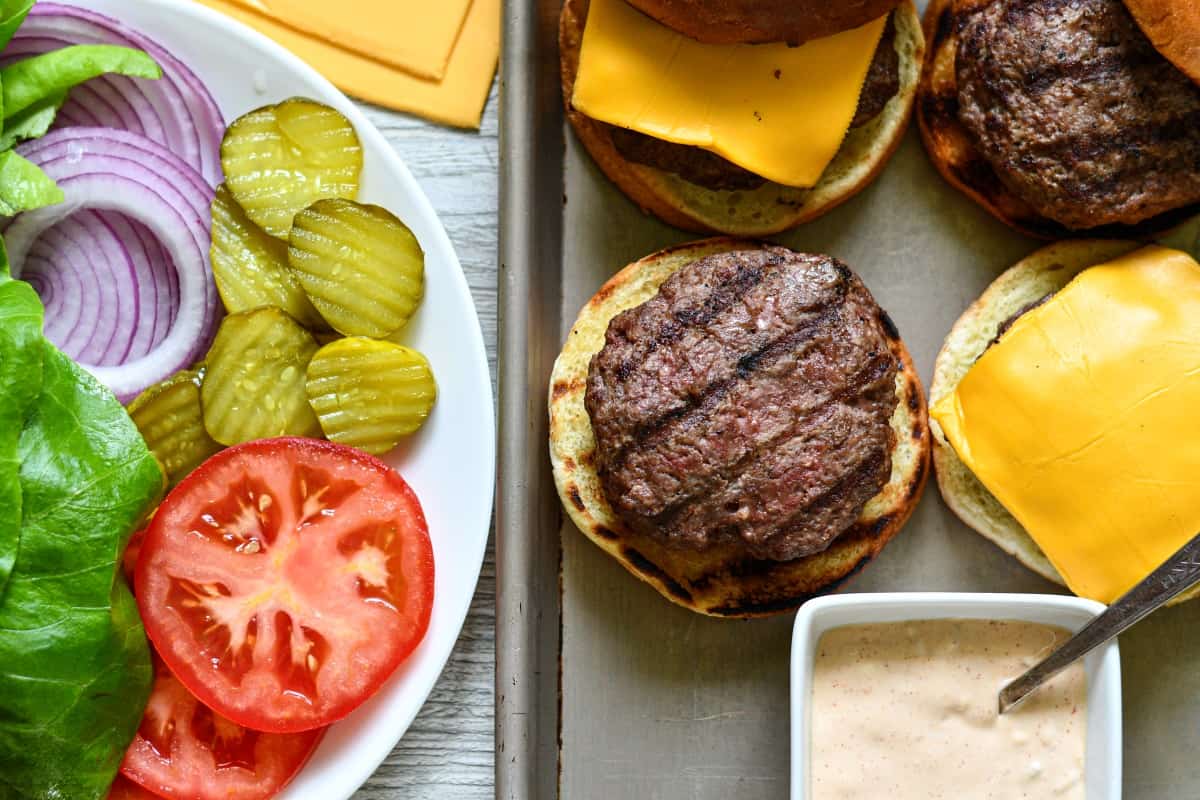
(407, 34)
(778, 111)
(1082, 420)
(458, 99)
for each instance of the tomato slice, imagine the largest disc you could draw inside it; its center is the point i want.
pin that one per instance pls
(183, 750)
(285, 579)
(125, 789)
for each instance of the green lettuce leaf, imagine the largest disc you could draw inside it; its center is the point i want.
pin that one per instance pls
(75, 668)
(38, 78)
(12, 14)
(32, 123)
(23, 185)
(20, 383)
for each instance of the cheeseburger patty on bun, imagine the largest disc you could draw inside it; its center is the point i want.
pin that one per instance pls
(767, 115)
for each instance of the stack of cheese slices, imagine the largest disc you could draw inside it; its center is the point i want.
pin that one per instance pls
(432, 59)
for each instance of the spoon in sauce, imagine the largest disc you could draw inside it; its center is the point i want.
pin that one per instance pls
(1176, 575)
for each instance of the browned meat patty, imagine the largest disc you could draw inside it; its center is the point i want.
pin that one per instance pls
(1077, 113)
(707, 169)
(883, 78)
(693, 164)
(1007, 324)
(748, 402)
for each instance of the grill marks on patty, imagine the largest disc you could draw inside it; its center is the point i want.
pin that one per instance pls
(1076, 112)
(749, 401)
(711, 171)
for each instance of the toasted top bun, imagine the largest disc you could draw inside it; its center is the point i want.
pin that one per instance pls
(772, 207)
(1173, 27)
(955, 156)
(723, 581)
(758, 21)
(1045, 271)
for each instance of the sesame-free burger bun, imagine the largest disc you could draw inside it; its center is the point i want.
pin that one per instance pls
(759, 21)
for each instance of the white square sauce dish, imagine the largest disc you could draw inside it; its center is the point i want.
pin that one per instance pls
(900, 700)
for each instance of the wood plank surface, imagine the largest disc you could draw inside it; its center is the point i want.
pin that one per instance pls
(448, 751)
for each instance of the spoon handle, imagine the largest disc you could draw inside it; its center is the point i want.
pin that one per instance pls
(1176, 575)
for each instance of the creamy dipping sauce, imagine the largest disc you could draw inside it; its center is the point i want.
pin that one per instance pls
(909, 710)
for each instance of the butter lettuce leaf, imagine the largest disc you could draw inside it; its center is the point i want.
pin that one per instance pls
(12, 14)
(47, 75)
(20, 384)
(24, 186)
(32, 123)
(75, 669)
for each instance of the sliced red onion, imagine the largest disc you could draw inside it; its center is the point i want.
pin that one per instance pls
(100, 302)
(155, 276)
(120, 173)
(116, 250)
(176, 111)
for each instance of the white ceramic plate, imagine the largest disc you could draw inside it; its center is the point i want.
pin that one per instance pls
(1102, 759)
(450, 463)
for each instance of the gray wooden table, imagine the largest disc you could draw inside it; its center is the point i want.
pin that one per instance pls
(448, 751)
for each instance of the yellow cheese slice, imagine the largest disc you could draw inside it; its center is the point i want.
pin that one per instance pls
(458, 99)
(1082, 420)
(413, 35)
(778, 111)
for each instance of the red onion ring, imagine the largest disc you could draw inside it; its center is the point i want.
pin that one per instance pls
(155, 276)
(99, 302)
(117, 251)
(127, 174)
(177, 111)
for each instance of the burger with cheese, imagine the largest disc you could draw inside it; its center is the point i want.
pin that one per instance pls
(1066, 119)
(745, 117)
(1064, 402)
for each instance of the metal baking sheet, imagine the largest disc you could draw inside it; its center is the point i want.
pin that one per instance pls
(603, 688)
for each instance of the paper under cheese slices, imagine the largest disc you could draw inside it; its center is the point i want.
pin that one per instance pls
(1083, 420)
(778, 111)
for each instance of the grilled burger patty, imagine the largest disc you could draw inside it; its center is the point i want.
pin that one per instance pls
(1076, 112)
(748, 402)
(703, 168)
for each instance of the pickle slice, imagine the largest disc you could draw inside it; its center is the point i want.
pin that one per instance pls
(250, 267)
(369, 393)
(254, 387)
(169, 418)
(279, 159)
(362, 267)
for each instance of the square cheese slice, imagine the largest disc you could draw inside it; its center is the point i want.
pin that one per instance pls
(1084, 420)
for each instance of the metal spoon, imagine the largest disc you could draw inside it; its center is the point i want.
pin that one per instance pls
(1177, 574)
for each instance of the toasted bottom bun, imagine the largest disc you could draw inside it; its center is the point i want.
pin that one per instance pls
(772, 207)
(1173, 27)
(1045, 271)
(955, 156)
(722, 581)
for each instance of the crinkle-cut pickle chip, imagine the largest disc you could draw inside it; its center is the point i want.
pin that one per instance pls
(170, 419)
(362, 267)
(369, 393)
(254, 387)
(279, 159)
(250, 266)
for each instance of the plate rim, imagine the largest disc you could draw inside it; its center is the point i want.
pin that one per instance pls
(371, 753)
